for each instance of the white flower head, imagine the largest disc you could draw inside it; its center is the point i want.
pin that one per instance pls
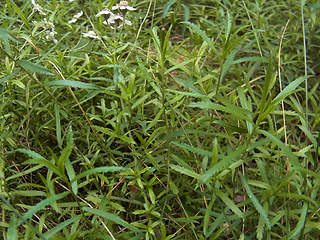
(117, 20)
(90, 34)
(105, 11)
(75, 17)
(50, 36)
(37, 7)
(123, 5)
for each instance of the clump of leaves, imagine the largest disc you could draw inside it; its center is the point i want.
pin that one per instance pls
(166, 120)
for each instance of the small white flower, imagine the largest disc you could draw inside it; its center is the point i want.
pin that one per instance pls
(90, 34)
(50, 36)
(73, 20)
(123, 5)
(37, 7)
(79, 14)
(75, 17)
(104, 11)
(117, 20)
(71, 0)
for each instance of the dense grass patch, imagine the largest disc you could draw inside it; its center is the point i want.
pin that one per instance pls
(159, 119)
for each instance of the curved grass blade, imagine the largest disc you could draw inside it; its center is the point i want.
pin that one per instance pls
(111, 217)
(255, 202)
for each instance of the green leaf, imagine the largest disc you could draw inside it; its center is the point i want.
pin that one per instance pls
(292, 158)
(47, 164)
(167, 7)
(230, 204)
(30, 153)
(235, 111)
(185, 171)
(227, 160)
(58, 124)
(255, 202)
(111, 217)
(98, 170)
(50, 233)
(41, 205)
(289, 89)
(5, 36)
(207, 216)
(34, 67)
(193, 149)
(189, 94)
(71, 83)
(111, 133)
(202, 34)
(12, 233)
(301, 223)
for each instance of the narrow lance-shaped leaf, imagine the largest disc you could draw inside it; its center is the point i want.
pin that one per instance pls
(71, 83)
(111, 217)
(41, 205)
(301, 223)
(255, 202)
(227, 160)
(34, 67)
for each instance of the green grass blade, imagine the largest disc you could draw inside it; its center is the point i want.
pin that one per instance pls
(47, 164)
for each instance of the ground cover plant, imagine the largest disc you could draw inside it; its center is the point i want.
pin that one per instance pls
(159, 119)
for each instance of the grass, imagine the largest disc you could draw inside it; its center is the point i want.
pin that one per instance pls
(198, 121)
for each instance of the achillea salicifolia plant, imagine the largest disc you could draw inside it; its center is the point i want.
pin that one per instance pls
(115, 20)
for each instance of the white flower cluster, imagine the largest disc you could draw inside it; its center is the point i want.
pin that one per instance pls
(75, 17)
(37, 7)
(115, 20)
(46, 25)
